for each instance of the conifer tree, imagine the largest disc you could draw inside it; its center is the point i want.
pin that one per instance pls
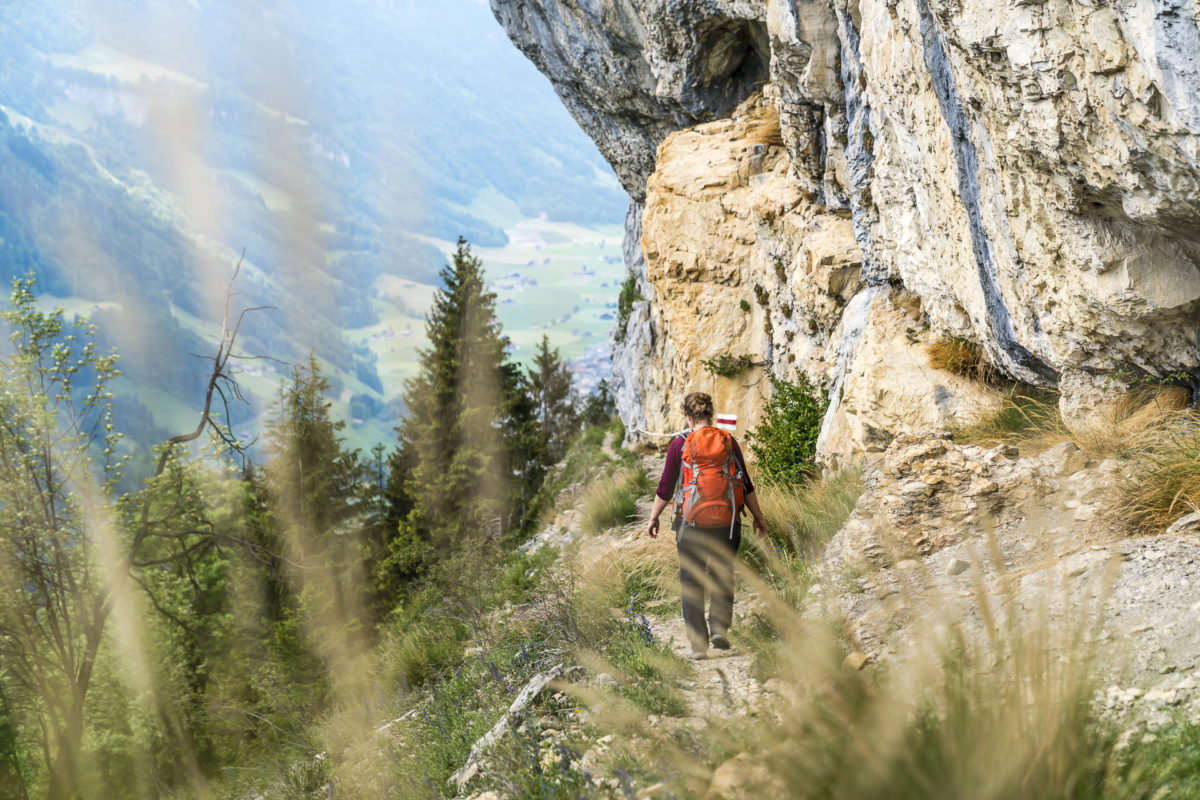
(452, 471)
(599, 407)
(550, 388)
(310, 470)
(314, 488)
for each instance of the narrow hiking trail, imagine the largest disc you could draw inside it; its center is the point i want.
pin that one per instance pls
(714, 690)
(722, 684)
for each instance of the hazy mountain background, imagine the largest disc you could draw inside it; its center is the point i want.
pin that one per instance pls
(144, 144)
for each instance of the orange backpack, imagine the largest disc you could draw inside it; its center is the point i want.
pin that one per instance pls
(712, 480)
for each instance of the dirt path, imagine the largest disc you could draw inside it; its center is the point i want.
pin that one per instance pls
(721, 686)
(723, 682)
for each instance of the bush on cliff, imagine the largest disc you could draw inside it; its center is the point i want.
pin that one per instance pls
(785, 442)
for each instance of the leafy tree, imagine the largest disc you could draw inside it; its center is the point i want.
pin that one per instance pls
(785, 442)
(71, 551)
(54, 598)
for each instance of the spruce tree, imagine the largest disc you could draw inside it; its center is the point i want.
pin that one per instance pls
(550, 388)
(311, 475)
(453, 471)
(314, 488)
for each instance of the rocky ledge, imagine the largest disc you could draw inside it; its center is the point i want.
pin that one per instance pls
(995, 547)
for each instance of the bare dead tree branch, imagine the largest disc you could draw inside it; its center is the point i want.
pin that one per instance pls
(220, 380)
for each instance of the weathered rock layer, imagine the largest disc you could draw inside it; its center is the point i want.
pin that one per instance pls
(867, 176)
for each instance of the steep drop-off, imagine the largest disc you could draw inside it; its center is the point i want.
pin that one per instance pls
(1023, 175)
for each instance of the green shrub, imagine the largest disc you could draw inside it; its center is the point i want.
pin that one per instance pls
(725, 365)
(617, 429)
(785, 442)
(630, 294)
(1171, 761)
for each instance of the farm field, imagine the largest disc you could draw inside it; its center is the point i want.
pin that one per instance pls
(554, 278)
(559, 279)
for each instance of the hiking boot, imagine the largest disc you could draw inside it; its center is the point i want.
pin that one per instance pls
(696, 655)
(719, 641)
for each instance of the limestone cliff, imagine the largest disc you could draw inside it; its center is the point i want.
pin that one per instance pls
(866, 175)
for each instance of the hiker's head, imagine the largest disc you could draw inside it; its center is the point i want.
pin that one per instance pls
(698, 408)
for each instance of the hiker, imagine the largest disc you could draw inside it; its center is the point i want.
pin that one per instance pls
(707, 465)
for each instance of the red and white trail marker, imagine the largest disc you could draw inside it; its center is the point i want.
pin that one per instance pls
(727, 422)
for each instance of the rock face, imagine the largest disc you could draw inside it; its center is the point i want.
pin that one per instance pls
(1022, 175)
(948, 537)
(632, 71)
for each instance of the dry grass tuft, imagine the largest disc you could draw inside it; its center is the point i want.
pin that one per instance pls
(765, 131)
(1152, 427)
(1164, 483)
(1138, 421)
(962, 357)
(1029, 418)
(806, 517)
(612, 501)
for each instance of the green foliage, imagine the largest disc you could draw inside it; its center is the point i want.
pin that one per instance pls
(1171, 761)
(744, 305)
(556, 419)
(785, 442)
(1139, 378)
(631, 292)
(616, 427)
(725, 365)
(600, 406)
(452, 469)
(583, 458)
(58, 471)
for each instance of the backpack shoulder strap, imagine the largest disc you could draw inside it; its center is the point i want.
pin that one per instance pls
(684, 436)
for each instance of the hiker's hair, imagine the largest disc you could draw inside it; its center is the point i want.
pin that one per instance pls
(698, 406)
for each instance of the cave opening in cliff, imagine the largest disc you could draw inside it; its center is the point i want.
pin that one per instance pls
(735, 63)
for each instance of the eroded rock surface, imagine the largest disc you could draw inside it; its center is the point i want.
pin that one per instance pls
(1029, 173)
(994, 547)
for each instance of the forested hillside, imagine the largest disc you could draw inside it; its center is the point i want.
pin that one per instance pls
(145, 147)
(199, 632)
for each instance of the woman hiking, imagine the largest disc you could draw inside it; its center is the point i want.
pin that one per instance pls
(706, 464)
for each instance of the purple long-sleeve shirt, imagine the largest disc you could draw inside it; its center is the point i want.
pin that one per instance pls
(670, 473)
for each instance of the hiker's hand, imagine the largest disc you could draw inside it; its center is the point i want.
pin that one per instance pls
(760, 527)
(652, 528)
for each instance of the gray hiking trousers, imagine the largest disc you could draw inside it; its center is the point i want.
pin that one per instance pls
(706, 557)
